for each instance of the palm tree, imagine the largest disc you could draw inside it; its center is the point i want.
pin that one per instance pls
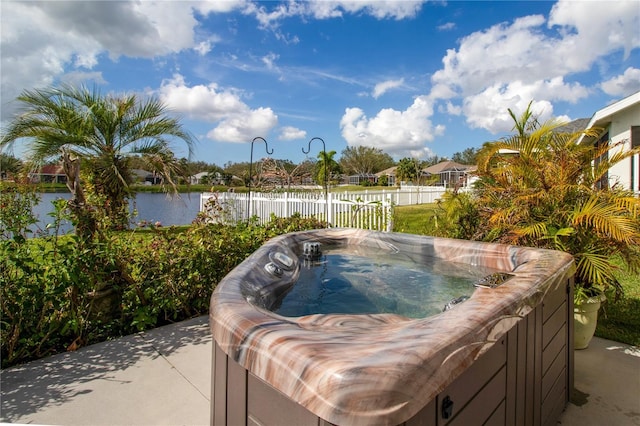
(326, 164)
(408, 169)
(9, 166)
(539, 188)
(95, 136)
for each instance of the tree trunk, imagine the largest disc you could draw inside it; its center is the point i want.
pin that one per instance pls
(85, 222)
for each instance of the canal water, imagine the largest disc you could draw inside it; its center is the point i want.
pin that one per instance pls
(150, 207)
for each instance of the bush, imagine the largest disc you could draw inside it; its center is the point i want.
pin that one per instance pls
(173, 275)
(61, 293)
(458, 216)
(16, 210)
(57, 292)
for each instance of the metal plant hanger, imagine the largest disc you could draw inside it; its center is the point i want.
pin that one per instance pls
(251, 170)
(326, 192)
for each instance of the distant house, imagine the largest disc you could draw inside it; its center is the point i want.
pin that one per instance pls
(146, 177)
(619, 121)
(450, 173)
(51, 173)
(361, 178)
(373, 178)
(198, 178)
(390, 173)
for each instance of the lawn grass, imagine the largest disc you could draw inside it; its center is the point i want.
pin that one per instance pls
(619, 320)
(414, 219)
(359, 188)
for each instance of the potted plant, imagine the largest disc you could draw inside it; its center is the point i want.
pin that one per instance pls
(542, 188)
(585, 316)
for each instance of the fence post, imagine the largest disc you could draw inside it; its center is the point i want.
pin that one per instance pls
(329, 205)
(388, 209)
(286, 204)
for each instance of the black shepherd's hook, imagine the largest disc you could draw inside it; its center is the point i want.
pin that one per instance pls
(251, 170)
(324, 159)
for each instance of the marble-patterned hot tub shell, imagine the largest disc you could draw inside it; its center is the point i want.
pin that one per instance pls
(385, 368)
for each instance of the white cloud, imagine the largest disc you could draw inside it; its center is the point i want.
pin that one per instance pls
(216, 6)
(237, 122)
(43, 40)
(244, 127)
(385, 86)
(206, 46)
(35, 51)
(326, 9)
(269, 60)
(398, 133)
(595, 28)
(137, 29)
(203, 48)
(488, 109)
(206, 103)
(446, 27)
(498, 54)
(289, 133)
(510, 64)
(454, 109)
(376, 8)
(271, 18)
(623, 85)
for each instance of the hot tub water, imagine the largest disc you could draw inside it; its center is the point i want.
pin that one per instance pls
(362, 280)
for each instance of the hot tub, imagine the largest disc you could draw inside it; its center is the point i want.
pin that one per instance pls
(503, 355)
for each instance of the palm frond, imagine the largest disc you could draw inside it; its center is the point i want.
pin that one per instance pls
(594, 268)
(536, 230)
(605, 219)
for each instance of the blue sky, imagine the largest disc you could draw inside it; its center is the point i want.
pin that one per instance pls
(412, 78)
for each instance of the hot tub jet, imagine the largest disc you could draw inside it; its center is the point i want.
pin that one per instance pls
(311, 251)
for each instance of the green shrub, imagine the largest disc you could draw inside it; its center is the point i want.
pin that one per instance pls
(61, 293)
(458, 216)
(50, 295)
(16, 210)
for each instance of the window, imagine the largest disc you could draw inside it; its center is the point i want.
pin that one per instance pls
(635, 160)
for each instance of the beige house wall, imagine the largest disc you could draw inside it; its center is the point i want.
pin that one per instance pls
(618, 119)
(620, 130)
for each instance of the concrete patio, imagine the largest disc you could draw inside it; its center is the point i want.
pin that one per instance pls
(162, 377)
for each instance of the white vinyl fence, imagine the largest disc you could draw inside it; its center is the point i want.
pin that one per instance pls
(365, 209)
(406, 195)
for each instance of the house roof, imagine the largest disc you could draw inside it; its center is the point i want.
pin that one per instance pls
(386, 172)
(141, 173)
(604, 116)
(573, 126)
(447, 166)
(52, 169)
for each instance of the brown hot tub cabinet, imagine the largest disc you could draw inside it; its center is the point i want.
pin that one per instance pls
(507, 358)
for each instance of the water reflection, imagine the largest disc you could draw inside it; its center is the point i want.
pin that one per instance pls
(168, 210)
